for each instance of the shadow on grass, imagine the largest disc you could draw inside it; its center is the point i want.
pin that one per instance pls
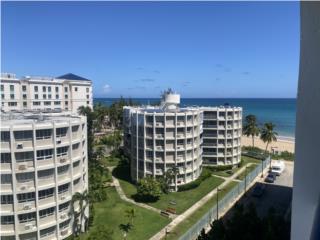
(122, 172)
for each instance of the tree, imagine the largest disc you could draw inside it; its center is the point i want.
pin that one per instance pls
(131, 214)
(82, 199)
(101, 113)
(125, 228)
(250, 127)
(148, 189)
(268, 134)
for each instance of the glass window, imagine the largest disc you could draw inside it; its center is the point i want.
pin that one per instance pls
(43, 133)
(45, 174)
(44, 154)
(47, 103)
(11, 96)
(24, 96)
(66, 96)
(36, 96)
(57, 103)
(44, 89)
(75, 128)
(61, 132)
(57, 89)
(6, 178)
(24, 88)
(35, 88)
(46, 193)
(27, 217)
(6, 199)
(62, 151)
(76, 89)
(46, 212)
(2, 96)
(12, 104)
(64, 206)
(24, 156)
(57, 96)
(23, 135)
(25, 177)
(66, 89)
(36, 103)
(5, 158)
(87, 89)
(49, 89)
(64, 224)
(47, 232)
(7, 220)
(11, 87)
(87, 96)
(24, 104)
(44, 96)
(63, 188)
(26, 197)
(5, 136)
(75, 146)
(63, 169)
(49, 96)
(2, 88)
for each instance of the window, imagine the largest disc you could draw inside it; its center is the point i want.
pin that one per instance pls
(36, 96)
(63, 188)
(44, 154)
(7, 220)
(26, 197)
(46, 193)
(25, 104)
(49, 96)
(24, 88)
(11, 96)
(6, 199)
(66, 89)
(25, 177)
(12, 104)
(44, 96)
(76, 89)
(76, 182)
(24, 156)
(5, 158)
(36, 103)
(47, 103)
(76, 164)
(88, 102)
(5, 136)
(66, 102)
(24, 96)
(6, 178)
(44, 89)
(45, 174)
(27, 217)
(64, 224)
(57, 103)
(2, 88)
(61, 132)
(2, 96)
(43, 133)
(87, 96)
(87, 89)
(62, 151)
(46, 212)
(57, 89)
(47, 232)
(49, 89)
(63, 169)
(35, 88)
(66, 96)
(11, 87)
(75, 146)
(23, 135)
(57, 96)
(64, 206)
(75, 128)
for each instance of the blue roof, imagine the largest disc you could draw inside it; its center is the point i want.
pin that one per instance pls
(71, 76)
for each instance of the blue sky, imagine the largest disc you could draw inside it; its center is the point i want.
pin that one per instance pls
(212, 49)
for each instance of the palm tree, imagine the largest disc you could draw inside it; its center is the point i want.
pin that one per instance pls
(83, 200)
(268, 134)
(125, 228)
(250, 127)
(131, 214)
(175, 172)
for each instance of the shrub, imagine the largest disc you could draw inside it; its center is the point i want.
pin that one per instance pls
(148, 189)
(219, 168)
(206, 173)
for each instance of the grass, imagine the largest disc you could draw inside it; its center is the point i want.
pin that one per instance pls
(184, 199)
(110, 161)
(184, 226)
(111, 213)
(247, 159)
(250, 168)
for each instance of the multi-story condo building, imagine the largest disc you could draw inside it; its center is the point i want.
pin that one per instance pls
(162, 138)
(66, 92)
(222, 135)
(43, 163)
(168, 137)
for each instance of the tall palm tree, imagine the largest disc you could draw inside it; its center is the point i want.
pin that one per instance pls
(250, 127)
(83, 200)
(175, 172)
(268, 134)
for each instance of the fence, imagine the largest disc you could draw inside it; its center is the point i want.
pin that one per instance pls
(211, 215)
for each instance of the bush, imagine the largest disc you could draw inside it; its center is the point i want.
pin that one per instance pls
(284, 155)
(206, 173)
(219, 168)
(148, 189)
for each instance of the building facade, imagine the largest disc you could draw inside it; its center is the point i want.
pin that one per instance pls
(168, 137)
(66, 92)
(43, 163)
(222, 129)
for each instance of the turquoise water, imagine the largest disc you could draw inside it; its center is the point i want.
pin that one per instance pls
(282, 112)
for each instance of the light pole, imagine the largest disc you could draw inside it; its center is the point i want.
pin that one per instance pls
(217, 203)
(245, 181)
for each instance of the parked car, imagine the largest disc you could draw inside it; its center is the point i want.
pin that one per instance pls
(277, 167)
(270, 178)
(258, 190)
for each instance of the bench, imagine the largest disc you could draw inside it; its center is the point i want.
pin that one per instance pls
(164, 213)
(171, 210)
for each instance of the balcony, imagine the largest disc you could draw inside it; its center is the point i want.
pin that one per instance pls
(209, 135)
(25, 186)
(160, 136)
(63, 158)
(8, 228)
(42, 182)
(209, 126)
(47, 220)
(6, 187)
(26, 206)
(5, 146)
(45, 201)
(64, 196)
(210, 117)
(23, 144)
(6, 208)
(45, 162)
(64, 177)
(5, 167)
(180, 124)
(159, 124)
(44, 142)
(27, 226)
(180, 135)
(24, 166)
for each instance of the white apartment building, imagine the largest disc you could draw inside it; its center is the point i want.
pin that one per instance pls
(165, 137)
(66, 92)
(222, 129)
(162, 138)
(43, 163)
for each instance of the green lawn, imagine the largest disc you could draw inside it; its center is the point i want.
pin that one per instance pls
(111, 213)
(184, 226)
(246, 160)
(183, 200)
(249, 169)
(110, 161)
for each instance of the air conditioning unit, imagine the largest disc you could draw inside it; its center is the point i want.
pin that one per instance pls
(62, 197)
(58, 140)
(19, 146)
(28, 226)
(22, 167)
(63, 216)
(63, 160)
(22, 188)
(26, 206)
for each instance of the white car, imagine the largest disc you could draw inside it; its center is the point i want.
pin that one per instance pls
(277, 167)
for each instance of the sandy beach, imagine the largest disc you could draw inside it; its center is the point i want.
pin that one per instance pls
(282, 144)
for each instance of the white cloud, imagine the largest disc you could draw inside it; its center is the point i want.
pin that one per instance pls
(106, 88)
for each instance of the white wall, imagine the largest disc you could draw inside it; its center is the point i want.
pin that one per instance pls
(306, 185)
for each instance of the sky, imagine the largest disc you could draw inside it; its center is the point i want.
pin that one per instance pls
(138, 49)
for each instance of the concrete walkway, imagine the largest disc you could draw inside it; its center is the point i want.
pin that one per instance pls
(180, 218)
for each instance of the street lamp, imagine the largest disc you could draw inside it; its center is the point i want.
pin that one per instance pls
(218, 202)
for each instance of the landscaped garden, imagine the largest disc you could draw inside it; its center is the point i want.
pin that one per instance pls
(180, 201)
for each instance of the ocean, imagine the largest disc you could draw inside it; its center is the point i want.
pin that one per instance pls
(281, 112)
